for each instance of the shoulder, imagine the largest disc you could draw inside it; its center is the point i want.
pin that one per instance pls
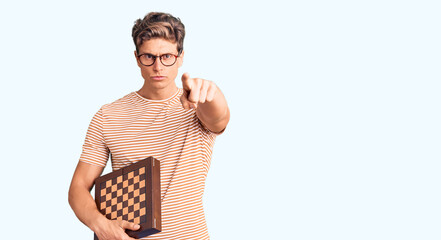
(123, 104)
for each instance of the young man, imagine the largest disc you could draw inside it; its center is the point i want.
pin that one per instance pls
(176, 126)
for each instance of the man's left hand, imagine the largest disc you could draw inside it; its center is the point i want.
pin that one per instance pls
(196, 90)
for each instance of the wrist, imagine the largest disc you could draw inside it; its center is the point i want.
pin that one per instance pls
(96, 222)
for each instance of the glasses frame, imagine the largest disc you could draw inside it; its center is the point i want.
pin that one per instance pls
(160, 59)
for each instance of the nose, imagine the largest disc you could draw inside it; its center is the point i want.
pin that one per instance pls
(157, 66)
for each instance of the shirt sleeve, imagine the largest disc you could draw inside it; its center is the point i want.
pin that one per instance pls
(95, 150)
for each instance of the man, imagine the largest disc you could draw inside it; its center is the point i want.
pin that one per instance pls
(176, 126)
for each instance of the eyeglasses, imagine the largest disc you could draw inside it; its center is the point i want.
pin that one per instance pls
(166, 59)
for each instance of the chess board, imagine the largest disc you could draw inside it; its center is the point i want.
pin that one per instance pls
(132, 194)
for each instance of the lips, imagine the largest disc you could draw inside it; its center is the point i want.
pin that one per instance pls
(158, 78)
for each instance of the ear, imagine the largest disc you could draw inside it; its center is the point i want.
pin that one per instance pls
(181, 59)
(136, 57)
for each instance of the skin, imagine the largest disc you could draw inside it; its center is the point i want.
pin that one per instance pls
(200, 94)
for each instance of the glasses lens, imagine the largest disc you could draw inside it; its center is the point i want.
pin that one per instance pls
(168, 59)
(147, 59)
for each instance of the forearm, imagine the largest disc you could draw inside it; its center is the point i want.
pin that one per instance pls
(214, 114)
(84, 207)
(81, 200)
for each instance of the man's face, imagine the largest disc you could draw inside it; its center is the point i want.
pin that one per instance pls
(159, 76)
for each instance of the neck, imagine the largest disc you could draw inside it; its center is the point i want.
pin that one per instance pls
(157, 94)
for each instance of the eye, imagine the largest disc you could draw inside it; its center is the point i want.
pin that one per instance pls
(148, 56)
(166, 56)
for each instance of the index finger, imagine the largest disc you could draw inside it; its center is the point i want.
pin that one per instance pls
(185, 77)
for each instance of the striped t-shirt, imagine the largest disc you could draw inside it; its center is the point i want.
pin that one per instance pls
(133, 128)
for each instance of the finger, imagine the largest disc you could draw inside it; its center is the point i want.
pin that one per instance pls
(204, 89)
(185, 81)
(194, 105)
(211, 93)
(194, 94)
(185, 103)
(130, 225)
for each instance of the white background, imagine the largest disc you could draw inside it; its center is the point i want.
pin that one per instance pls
(335, 112)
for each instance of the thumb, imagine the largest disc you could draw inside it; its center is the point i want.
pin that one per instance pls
(184, 101)
(130, 225)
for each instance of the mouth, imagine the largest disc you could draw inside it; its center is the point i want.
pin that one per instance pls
(157, 78)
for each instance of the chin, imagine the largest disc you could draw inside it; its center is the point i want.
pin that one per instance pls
(161, 84)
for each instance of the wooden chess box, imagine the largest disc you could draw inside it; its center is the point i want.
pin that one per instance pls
(132, 194)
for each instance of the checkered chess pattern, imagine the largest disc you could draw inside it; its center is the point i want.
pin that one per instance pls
(123, 197)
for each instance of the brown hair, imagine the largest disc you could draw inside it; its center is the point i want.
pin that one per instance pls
(159, 25)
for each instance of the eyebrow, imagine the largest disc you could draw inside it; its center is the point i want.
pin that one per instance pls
(156, 55)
